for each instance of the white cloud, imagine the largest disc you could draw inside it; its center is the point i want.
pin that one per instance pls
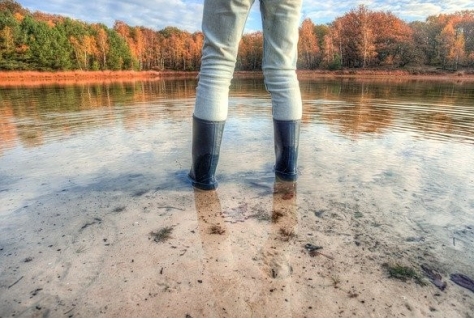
(418, 11)
(155, 14)
(187, 14)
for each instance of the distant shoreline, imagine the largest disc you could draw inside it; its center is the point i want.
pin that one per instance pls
(389, 74)
(35, 78)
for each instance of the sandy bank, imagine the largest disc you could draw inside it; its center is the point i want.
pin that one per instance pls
(395, 74)
(35, 78)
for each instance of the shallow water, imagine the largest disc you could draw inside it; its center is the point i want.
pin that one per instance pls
(87, 172)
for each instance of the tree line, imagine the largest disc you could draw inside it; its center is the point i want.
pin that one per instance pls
(361, 38)
(364, 38)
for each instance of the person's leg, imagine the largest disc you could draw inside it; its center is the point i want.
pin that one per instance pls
(223, 24)
(280, 19)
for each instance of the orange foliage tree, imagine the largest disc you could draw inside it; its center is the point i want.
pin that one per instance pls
(308, 49)
(250, 52)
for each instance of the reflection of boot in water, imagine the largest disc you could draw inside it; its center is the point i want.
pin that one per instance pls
(226, 298)
(275, 257)
(284, 220)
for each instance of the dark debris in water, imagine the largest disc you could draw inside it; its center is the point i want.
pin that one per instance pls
(36, 291)
(286, 234)
(169, 208)
(216, 230)
(276, 215)
(311, 247)
(139, 193)
(118, 209)
(358, 214)
(314, 251)
(161, 235)
(95, 221)
(415, 239)
(434, 277)
(319, 213)
(463, 281)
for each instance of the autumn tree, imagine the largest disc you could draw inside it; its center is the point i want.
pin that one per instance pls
(423, 44)
(102, 43)
(132, 37)
(393, 39)
(171, 47)
(13, 47)
(355, 34)
(333, 46)
(119, 56)
(457, 54)
(250, 52)
(308, 48)
(82, 42)
(198, 38)
(12, 7)
(451, 38)
(321, 31)
(466, 24)
(9, 32)
(180, 50)
(365, 38)
(150, 52)
(331, 59)
(452, 45)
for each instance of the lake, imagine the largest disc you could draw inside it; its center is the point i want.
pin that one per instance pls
(92, 175)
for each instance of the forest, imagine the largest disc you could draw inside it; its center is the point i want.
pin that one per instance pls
(361, 38)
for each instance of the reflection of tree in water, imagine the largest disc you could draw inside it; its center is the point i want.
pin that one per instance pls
(7, 129)
(35, 114)
(357, 106)
(358, 115)
(360, 118)
(434, 122)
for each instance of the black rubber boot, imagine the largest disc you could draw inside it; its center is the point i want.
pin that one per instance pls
(287, 135)
(207, 137)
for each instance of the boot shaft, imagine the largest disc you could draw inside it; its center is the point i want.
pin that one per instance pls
(286, 135)
(207, 137)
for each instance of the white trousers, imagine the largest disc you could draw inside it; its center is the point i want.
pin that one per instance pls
(223, 24)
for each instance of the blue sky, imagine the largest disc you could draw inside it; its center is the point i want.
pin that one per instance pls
(187, 14)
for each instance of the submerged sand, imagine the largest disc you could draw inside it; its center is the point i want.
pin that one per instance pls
(237, 252)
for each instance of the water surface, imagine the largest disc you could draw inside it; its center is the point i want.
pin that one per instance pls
(88, 171)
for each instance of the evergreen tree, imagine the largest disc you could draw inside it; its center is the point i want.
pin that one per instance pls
(119, 56)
